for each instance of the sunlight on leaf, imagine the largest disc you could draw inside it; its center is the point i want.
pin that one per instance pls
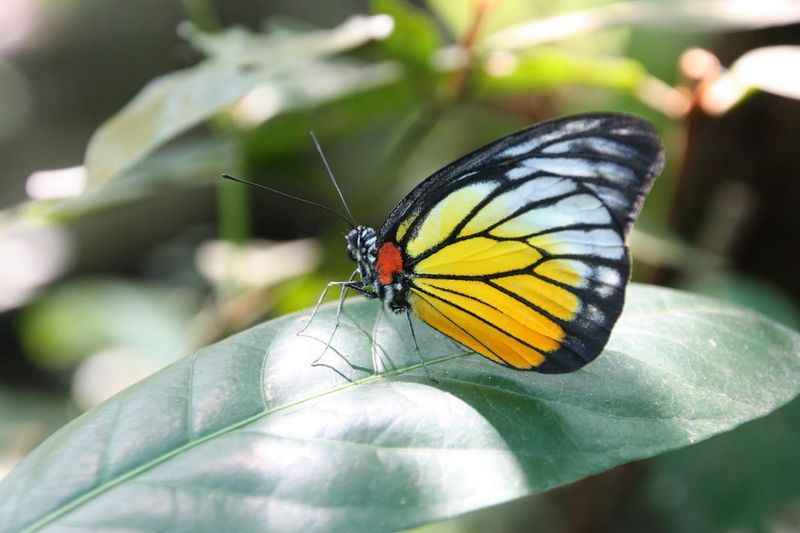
(278, 443)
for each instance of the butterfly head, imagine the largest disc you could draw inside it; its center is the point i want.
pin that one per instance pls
(362, 248)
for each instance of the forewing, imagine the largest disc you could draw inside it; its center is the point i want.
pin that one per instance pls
(615, 155)
(518, 249)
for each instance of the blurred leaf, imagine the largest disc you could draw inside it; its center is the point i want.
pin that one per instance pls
(456, 14)
(664, 249)
(27, 417)
(686, 15)
(459, 15)
(741, 480)
(74, 320)
(415, 37)
(552, 68)
(288, 67)
(773, 69)
(299, 293)
(287, 134)
(256, 263)
(748, 292)
(246, 435)
(738, 481)
(511, 517)
(37, 254)
(190, 164)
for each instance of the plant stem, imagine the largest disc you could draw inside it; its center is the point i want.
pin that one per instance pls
(233, 200)
(459, 83)
(233, 211)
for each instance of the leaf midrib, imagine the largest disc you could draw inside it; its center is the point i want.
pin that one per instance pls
(104, 487)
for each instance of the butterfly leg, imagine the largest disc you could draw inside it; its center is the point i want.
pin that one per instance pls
(416, 348)
(322, 299)
(342, 295)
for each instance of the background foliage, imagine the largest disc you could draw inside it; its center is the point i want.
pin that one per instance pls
(134, 254)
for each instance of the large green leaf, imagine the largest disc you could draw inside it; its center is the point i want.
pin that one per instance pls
(740, 481)
(247, 436)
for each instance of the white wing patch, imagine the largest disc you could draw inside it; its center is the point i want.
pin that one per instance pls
(581, 168)
(509, 202)
(572, 127)
(593, 144)
(583, 208)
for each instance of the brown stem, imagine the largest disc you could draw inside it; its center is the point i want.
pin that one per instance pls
(459, 83)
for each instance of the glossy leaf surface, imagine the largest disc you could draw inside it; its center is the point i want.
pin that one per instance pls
(245, 435)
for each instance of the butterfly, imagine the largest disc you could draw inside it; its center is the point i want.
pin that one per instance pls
(517, 250)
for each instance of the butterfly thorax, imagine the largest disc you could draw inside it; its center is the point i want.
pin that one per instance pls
(380, 267)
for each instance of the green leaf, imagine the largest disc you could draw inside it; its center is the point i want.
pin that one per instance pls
(549, 68)
(686, 15)
(750, 292)
(111, 312)
(289, 68)
(26, 418)
(745, 480)
(455, 14)
(187, 165)
(415, 37)
(246, 435)
(459, 15)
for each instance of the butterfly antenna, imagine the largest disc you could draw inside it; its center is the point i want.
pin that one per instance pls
(290, 196)
(333, 179)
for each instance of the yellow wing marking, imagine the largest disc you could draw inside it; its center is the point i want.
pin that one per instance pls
(482, 338)
(446, 215)
(563, 271)
(553, 299)
(478, 256)
(506, 313)
(403, 227)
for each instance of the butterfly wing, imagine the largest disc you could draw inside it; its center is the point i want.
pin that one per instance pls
(518, 251)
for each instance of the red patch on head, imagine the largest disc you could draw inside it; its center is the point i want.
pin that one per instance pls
(389, 262)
